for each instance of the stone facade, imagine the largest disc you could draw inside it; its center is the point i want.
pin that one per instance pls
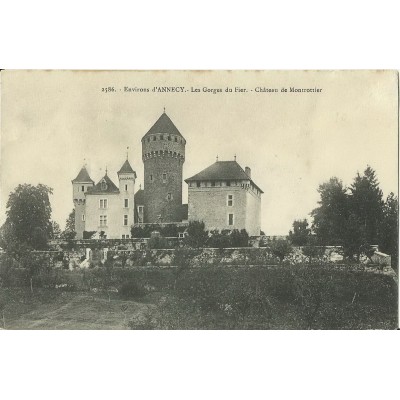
(105, 208)
(223, 196)
(163, 155)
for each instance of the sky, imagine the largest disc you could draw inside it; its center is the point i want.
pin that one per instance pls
(54, 121)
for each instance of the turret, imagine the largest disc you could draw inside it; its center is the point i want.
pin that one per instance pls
(80, 185)
(127, 177)
(163, 154)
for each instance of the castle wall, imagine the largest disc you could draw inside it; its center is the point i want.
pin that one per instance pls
(115, 212)
(210, 205)
(253, 213)
(80, 210)
(163, 197)
(78, 195)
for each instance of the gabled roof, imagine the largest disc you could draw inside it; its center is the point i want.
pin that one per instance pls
(164, 125)
(220, 171)
(83, 177)
(139, 197)
(126, 169)
(110, 188)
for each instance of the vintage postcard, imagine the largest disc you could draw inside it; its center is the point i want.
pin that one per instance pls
(199, 200)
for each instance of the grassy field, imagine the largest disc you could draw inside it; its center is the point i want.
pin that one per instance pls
(282, 297)
(47, 309)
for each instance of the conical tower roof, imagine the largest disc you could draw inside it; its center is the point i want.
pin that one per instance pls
(164, 125)
(83, 176)
(126, 169)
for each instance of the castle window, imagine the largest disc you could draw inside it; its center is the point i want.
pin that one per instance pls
(212, 183)
(125, 220)
(126, 188)
(169, 196)
(151, 178)
(156, 152)
(103, 203)
(176, 139)
(164, 177)
(154, 138)
(230, 219)
(83, 188)
(103, 220)
(228, 183)
(126, 203)
(169, 138)
(198, 184)
(230, 200)
(83, 217)
(140, 209)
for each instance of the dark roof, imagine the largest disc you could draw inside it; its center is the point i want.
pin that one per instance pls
(97, 189)
(164, 125)
(83, 176)
(139, 197)
(126, 169)
(222, 170)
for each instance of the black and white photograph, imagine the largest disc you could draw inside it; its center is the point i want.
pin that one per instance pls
(199, 200)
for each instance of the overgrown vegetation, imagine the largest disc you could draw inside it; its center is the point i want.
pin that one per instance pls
(353, 217)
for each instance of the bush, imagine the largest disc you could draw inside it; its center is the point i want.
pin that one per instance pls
(281, 248)
(157, 242)
(132, 290)
(239, 239)
(219, 240)
(196, 234)
(88, 234)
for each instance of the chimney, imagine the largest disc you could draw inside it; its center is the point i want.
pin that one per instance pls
(248, 172)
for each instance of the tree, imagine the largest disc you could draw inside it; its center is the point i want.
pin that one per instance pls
(281, 248)
(28, 216)
(55, 230)
(329, 219)
(300, 234)
(366, 204)
(196, 234)
(388, 233)
(312, 250)
(69, 231)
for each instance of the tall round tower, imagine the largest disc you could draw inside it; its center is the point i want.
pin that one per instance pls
(163, 154)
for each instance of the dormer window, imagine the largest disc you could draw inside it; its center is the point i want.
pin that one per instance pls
(103, 185)
(83, 188)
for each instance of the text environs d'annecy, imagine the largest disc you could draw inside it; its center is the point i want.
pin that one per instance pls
(228, 89)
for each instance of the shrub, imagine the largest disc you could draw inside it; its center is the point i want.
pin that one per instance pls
(281, 248)
(157, 242)
(239, 239)
(132, 290)
(196, 234)
(88, 234)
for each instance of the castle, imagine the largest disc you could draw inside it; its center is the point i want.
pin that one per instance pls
(223, 195)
